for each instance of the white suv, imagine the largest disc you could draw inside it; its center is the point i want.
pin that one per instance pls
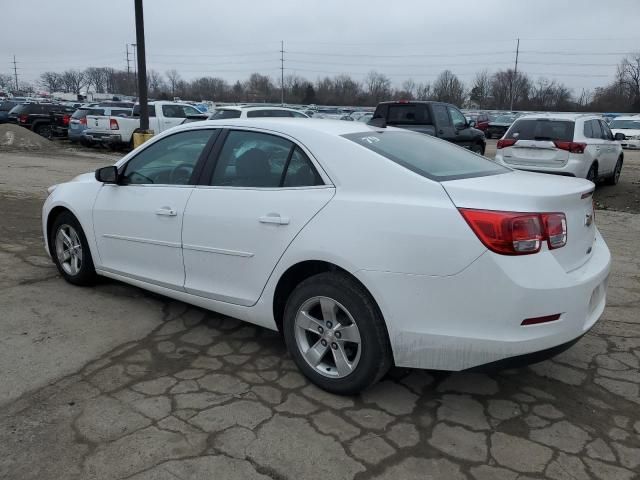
(575, 145)
(248, 111)
(629, 128)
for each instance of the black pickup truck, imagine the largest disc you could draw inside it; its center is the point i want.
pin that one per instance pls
(37, 116)
(438, 119)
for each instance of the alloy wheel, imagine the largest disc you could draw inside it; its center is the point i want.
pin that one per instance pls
(69, 249)
(328, 337)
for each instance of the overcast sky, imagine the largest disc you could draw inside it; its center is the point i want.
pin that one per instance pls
(576, 42)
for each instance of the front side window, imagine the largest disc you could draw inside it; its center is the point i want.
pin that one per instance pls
(260, 160)
(606, 132)
(179, 111)
(457, 118)
(442, 117)
(169, 161)
(596, 129)
(426, 156)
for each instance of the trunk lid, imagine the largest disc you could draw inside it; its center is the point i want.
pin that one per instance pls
(535, 153)
(536, 193)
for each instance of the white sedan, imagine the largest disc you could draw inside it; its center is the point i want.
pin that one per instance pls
(365, 247)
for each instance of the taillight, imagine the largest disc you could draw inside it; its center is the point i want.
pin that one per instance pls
(65, 120)
(113, 124)
(555, 226)
(572, 147)
(515, 233)
(83, 121)
(506, 142)
(23, 118)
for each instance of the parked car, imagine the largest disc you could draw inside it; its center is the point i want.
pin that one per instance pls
(37, 116)
(223, 113)
(116, 130)
(5, 108)
(629, 128)
(78, 121)
(290, 236)
(438, 119)
(499, 126)
(479, 121)
(576, 145)
(328, 113)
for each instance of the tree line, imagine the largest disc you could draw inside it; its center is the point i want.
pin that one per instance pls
(498, 90)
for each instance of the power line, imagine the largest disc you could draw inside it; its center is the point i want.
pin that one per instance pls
(475, 54)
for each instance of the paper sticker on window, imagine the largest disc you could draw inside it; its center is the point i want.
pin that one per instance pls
(370, 139)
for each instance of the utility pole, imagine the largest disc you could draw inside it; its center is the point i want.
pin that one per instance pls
(282, 72)
(515, 75)
(15, 72)
(134, 49)
(128, 66)
(142, 68)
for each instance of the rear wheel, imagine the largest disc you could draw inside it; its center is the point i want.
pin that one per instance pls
(70, 250)
(592, 174)
(43, 129)
(478, 148)
(336, 334)
(615, 176)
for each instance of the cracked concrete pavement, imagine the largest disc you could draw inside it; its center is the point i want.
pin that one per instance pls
(112, 382)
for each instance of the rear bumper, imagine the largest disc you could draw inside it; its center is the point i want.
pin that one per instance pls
(474, 318)
(575, 167)
(98, 137)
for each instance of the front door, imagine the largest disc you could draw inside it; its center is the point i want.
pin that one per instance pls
(442, 121)
(463, 133)
(138, 223)
(261, 193)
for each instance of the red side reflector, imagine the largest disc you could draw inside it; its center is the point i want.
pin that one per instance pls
(506, 142)
(537, 320)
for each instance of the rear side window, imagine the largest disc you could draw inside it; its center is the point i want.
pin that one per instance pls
(542, 129)
(588, 130)
(427, 156)
(442, 117)
(224, 114)
(407, 114)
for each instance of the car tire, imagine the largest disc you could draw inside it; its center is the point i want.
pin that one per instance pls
(317, 341)
(592, 174)
(70, 250)
(478, 148)
(615, 176)
(43, 129)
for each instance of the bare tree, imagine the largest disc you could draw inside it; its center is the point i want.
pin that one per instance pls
(174, 78)
(51, 81)
(378, 86)
(6, 81)
(155, 82)
(96, 77)
(73, 81)
(448, 88)
(629, 75)
(506, 83)
(423, 91)
(481, 89)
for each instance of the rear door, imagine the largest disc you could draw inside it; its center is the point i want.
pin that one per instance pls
(536, 142)
(261, 191)
(609, 147)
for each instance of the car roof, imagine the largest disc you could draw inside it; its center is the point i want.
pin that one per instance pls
(558, 116)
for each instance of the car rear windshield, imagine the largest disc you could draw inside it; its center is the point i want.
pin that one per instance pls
(432, 158)
(83, 112)
(407, 114)
(542, 129)
(224, 114)
(6, 106)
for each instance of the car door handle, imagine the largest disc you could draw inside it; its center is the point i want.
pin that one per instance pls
(274, 218)
(166, 211)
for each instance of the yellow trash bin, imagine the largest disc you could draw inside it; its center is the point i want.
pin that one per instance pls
(141, 136)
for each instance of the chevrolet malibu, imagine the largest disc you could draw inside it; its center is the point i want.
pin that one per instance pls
(365, 247)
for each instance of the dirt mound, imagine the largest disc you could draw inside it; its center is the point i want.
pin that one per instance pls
(15, 137)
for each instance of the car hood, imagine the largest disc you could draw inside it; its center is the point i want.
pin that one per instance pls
(84, 177)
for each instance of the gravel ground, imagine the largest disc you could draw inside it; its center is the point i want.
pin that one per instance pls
(112, 382)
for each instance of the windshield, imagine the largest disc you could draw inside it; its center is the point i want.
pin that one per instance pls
(432, 158)
(625, 124)
(542, 129)
(224, 114)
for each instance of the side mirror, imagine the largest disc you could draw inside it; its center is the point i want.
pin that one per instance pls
(619, 136)
(107, 174)
(472, 123)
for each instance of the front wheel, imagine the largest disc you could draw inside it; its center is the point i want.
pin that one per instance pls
(70, 250)
(615, 176)
(336, 334)
(44, 130)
